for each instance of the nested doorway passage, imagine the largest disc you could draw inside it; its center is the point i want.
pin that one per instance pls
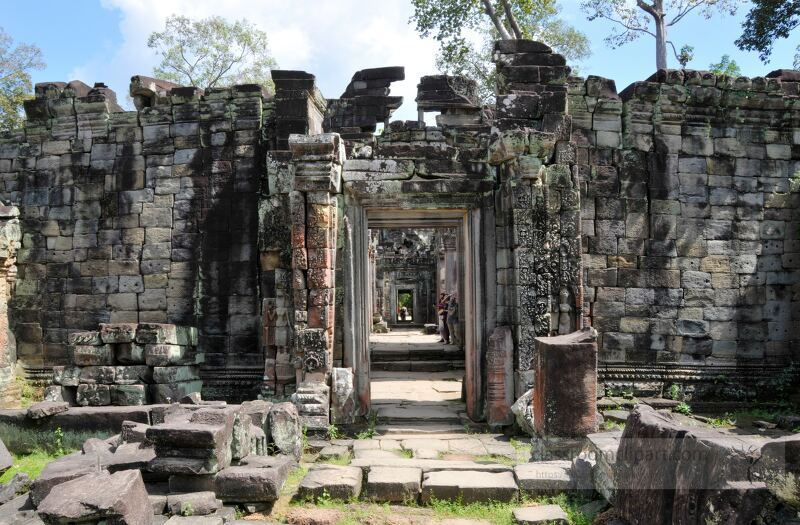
(414, 351)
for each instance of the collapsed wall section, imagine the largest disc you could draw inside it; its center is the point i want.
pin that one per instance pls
(146, 216)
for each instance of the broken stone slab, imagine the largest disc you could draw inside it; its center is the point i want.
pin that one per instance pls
(394, 485)
(195, 520)
(469, 486)
(19, 511)
(19, 484)
(285, 431)
(129, 395)
(602, 449)
(523, 412)
(430, 465)
(133, 432)
(343, 397)
(249, 484)
(500, 370)
(337, 482)
(112, 333)
(117, 498)
(62, 470)
(46, 408)
(185, 466)
(541, 515)
(129, 456)
(86, 355)
(193, 503)
(544, 478)
(779, 467)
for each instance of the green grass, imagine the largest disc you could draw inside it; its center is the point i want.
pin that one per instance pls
(31, 464)
(722, 421)
(502, 513)
(342, 459)
(613, 425)
(406, 453)
(27, 441)
(495, 458)
(683, 408)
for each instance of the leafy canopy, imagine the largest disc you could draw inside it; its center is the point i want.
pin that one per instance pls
(766, 22)
(726, 66)
(212, 52)
(458, 24)
(16, 64)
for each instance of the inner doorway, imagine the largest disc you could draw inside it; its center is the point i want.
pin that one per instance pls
(416, 343)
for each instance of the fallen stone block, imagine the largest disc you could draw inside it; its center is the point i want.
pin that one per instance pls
(779, 467)
(248, 484)
(285, 432)
(394, 485)
(19, 511)
(129, 456)
(44, 409)
(602, 450)
(133, 432)
(337, 482)
(19, 484)
(333, 452)
(541, 515)
(93, 395)
(184, 466)
(60, 394)
(195, 520)
(469, 486)
(85, 355)
(193, 503)
(117, 498)
(544, 478)
(62, 470)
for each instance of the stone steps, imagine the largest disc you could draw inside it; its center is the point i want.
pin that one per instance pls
(418, 366)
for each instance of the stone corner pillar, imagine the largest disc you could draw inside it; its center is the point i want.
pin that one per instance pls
(565, 391)
(10, 235)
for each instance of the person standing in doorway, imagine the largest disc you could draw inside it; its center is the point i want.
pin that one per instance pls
(441, 308)
(452, 320)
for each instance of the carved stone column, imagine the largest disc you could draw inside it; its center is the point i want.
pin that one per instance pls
(10, 235)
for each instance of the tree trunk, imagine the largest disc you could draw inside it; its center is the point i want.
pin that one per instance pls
(661, 43)
(512, 21)
(498, 24)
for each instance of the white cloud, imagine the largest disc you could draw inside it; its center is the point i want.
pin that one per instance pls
(330, 39)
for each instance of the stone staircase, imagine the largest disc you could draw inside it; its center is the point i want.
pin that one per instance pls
(416, 357)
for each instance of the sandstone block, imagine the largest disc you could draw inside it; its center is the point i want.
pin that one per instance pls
(129, 395)
(46, 408)
(541, 515)
(469, 486)
(129, 353)
(542, 478)
(66, 375)
(337, 482)
(164, 354)
(84, 338)
(117, 332)
(133, 375)
(98, 374)
(119, 498)
(175, 374)
(285, 431)
(93, 395)
(170, 393)
(193, 503)
(387, 484)
(249, 484)
(86, 355)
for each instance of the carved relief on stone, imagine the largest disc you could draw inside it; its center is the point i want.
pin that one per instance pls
(312, 344)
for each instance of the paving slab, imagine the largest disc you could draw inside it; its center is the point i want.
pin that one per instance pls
(390, 444)
(470, 446)
(394, 485)
(439, 445)
(428, 453)
(375, 454)
(366, 444)
(337, 482)
(541, 515)
(429, 465)
(468, 486)
(333, 452)
(543, 478)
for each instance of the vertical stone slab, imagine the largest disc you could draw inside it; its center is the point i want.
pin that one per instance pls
(500, 387)
(565, 392)
(343, 400)
(10, 236)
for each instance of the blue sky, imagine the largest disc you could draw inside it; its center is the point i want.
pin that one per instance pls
(104, 40)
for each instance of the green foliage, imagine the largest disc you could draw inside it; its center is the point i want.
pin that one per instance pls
(683, 408)
(187, 509)
(630, 20)
(674, 392)
(334, 432)
(613, 425)
(496, 458)
(725, 420)
(342, 459)
(451, 21)
(25, 441)
(404, 299)
(406, 453)
(766, 22)
(212, 52)
(725, 66)
(16, 63)
(30, 464)
(30, 392)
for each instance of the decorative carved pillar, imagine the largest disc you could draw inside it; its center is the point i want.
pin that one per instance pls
(10, 235)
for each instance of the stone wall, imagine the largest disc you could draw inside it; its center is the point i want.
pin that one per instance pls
(144, 216)
(691, 229)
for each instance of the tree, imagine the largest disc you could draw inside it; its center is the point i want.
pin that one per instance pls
(456, 24)
(16, 64)
(652, 18)
(767, 21)
(212, 52)
(726, 66)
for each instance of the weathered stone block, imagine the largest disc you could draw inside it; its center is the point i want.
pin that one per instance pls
(572, 358)
(93, 395)
(117, 332)
(396, 485)
(85, 355)
(336, 482)
(500, 365)
(129, 395)
(469, 486)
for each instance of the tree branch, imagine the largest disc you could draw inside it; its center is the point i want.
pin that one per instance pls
(512, 21)
(489, 10)
(644, 6)
(628, 27)
(685, 12)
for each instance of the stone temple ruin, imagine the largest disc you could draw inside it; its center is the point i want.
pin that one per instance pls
(232, 244)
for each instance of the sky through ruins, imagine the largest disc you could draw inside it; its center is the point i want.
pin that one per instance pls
(104, 40)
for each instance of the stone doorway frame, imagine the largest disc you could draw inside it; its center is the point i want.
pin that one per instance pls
(359, 217)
